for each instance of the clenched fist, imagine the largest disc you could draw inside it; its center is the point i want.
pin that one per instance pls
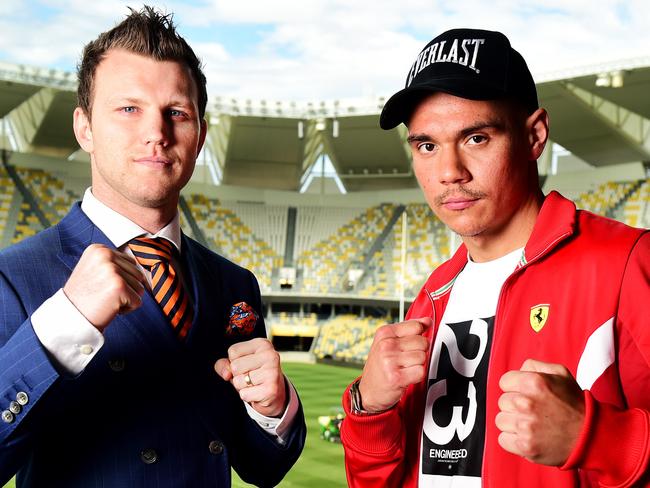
(542, 410)
(105, 282)
(253, 368)
(396, 360)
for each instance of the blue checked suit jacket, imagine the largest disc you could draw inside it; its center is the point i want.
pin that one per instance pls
(145, 394)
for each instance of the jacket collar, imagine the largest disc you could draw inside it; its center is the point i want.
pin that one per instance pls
(555, 222)
(76, 233)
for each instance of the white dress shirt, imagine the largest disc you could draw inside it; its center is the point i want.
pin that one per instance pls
(74, 341)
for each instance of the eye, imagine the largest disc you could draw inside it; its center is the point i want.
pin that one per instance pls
(426, 147)
(476, 139)
(176, 113)
(128, 110)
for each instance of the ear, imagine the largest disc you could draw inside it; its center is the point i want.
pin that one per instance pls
(537, 129)
(203, 133)
(82, 130)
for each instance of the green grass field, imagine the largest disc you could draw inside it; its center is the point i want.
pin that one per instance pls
(321, 464)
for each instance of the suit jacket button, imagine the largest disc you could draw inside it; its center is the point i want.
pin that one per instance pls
(15, 407)
(22, 398)
(215, 447)
(149, 456)
(7, 417)
(117, 365)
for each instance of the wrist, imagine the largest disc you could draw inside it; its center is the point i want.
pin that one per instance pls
(356, 402)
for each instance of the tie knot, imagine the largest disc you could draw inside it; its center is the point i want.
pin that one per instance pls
(149, 251)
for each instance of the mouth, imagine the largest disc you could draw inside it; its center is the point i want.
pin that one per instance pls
(154, 161)
(459, 203)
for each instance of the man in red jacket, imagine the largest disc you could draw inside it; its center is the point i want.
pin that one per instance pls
(525, 358)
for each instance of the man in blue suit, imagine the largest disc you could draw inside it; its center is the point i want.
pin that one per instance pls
(131, 356)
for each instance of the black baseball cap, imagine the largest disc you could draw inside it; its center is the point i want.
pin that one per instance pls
(468, 63)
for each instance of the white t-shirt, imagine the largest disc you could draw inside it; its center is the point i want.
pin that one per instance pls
(453, 433)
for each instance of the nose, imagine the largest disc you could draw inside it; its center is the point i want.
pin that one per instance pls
(155, 130)
(452, 168)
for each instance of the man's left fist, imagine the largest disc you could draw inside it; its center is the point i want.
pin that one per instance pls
(542, 410)
(253, 368)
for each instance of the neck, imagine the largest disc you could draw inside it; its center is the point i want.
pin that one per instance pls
(151, 219)
(514, 234)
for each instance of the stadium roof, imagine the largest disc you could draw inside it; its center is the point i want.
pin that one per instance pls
(600, 114)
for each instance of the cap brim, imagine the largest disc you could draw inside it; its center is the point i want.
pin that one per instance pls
(400, 106)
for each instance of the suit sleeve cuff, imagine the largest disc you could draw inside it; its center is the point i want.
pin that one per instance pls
(65, 333)
(278, 427)
(605, 425)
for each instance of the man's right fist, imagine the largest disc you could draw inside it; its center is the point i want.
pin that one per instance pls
(395, 361)
(105, 282)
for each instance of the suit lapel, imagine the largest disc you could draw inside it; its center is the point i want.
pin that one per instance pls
(147, 323)
(203, 280)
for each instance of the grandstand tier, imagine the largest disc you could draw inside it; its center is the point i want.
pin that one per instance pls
(326, 243)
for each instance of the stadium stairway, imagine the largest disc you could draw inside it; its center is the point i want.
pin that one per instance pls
(27, 195)
(378, 245)
(191, 222)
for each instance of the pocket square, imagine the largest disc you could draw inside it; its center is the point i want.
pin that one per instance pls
(241, 320)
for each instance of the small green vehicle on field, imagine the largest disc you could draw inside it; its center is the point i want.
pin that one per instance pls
(330, 426)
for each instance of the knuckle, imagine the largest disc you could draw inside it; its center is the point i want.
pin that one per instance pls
(529, 449)
(537, 384)
(387, 364)
(384, 346)
(525, 428)
(525, 404)
(383, 332)
(420, 357)
(502, 402)
(392, 378)
(528, 364)
(420, 372)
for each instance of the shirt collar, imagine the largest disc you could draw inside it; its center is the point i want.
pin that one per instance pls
(119, 229)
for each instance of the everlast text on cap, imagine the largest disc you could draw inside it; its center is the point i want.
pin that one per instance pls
(468, 63)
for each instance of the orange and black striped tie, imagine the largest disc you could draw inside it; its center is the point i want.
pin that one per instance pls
(155, 255)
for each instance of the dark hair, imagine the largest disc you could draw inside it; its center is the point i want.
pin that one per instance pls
(146, 32)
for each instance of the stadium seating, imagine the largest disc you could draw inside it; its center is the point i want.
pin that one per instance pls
(324, 265)
(229, 236)
(636, 211)
(605, 198)
(328, 241)
(267, 222)
(347, 337)
(427, 246)
(53, 197)
(7, 191)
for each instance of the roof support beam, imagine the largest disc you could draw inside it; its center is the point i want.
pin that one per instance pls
(630, 126)
(27, 117)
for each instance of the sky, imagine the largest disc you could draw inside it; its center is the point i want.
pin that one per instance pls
(310, 50)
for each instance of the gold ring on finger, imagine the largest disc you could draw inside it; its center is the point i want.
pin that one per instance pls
(247, 379)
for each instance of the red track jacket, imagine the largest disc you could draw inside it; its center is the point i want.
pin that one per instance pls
(594, 274)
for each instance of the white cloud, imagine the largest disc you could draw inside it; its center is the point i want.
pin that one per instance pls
(325, 49)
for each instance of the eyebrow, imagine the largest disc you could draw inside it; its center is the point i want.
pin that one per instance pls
(176, 102)
(417, 138)
(496, 124)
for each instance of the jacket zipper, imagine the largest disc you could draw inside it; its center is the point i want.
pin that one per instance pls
(502, 294)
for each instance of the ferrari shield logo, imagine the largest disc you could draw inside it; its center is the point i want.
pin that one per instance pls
(539, 316)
